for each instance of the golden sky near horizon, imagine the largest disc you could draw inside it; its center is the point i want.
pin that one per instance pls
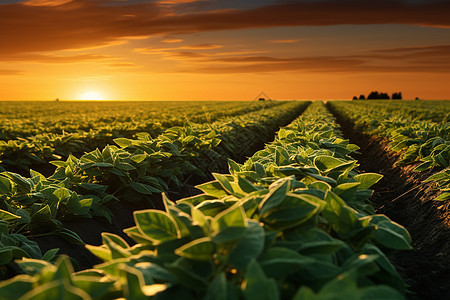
(223, 49)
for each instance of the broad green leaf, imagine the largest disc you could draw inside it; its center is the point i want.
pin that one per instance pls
(7, 216)
(231, 217)
(186, 276)
(5, 185)
(56, 290)
(217, 289)
(50, 254)
(229, 225)
(257, 286)
(6, 256)
(380, 292)
(34, 266)
(389, 233)
(295, 209)
(212, 188)
(279, 262)
(201, 249)
(249, 247)
(327, 162)
(223, 181)
(15, 287)
(156, 225)
(276, 195)
(367, 180)
(144, 188)
(42, 215)
(123, 142)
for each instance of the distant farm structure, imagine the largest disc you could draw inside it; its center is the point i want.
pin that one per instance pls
(262, 96)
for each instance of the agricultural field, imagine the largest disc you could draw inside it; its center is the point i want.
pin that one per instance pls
(225, 200)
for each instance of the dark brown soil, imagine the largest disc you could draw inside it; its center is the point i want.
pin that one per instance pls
(403, 197)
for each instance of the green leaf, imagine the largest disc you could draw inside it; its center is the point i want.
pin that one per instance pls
(380, 292)
(138, 158)
(389, 233)
(233, 167)
(217, 289)
(5, 185)
(134, 283)
(5, 215)
(257, 286)
(443, 197)
(275, 196)
(249, 247)
(5, 256)
(367, 180)
(212, 188)
(279, 262)
(223, 180)
(56, 290)
(229, 225)
(70, 236)
(42, 215)
(156, 225)
(34, 266)
(15, 287)
(123, 142)
(201, 249)
(144, 188)
(325, 162)
(231, 217)
(423, 166)
(186, 276)
(50, 254)
(295, 209)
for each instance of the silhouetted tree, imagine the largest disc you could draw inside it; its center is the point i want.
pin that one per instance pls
(362, 97)
(355, 98)
(397, 96)
(417, 98)
(377, 95)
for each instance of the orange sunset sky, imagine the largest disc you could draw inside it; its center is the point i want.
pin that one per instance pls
(223, 49)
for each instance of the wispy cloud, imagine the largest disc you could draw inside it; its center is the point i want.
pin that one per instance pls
(284, 41)
(11, 72)
(45, 2)
(432, 59)
(151, 50)
(50, 58)
(88, 23)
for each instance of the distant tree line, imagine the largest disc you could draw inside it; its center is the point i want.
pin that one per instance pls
(379, 96)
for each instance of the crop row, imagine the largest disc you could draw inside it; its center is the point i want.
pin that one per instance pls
(436, 110)
(421, 142)
(32, 118)
(48, 144)
(292, 222)
(131, 171)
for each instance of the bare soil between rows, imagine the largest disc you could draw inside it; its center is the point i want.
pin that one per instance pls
(403, 197)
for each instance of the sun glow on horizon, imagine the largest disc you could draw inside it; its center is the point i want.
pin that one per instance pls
(92, 96)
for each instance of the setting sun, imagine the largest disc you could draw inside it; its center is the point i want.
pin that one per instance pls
(92, 96)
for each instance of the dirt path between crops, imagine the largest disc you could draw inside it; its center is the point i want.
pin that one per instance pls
(403, 197)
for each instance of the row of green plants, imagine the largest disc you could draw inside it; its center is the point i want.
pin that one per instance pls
(421, 142)
(131, 171)
(432, 110)
(27, 119)
(51, 140)
(292, 222)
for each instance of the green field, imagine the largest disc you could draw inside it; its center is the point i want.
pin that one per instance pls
(98, 199)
